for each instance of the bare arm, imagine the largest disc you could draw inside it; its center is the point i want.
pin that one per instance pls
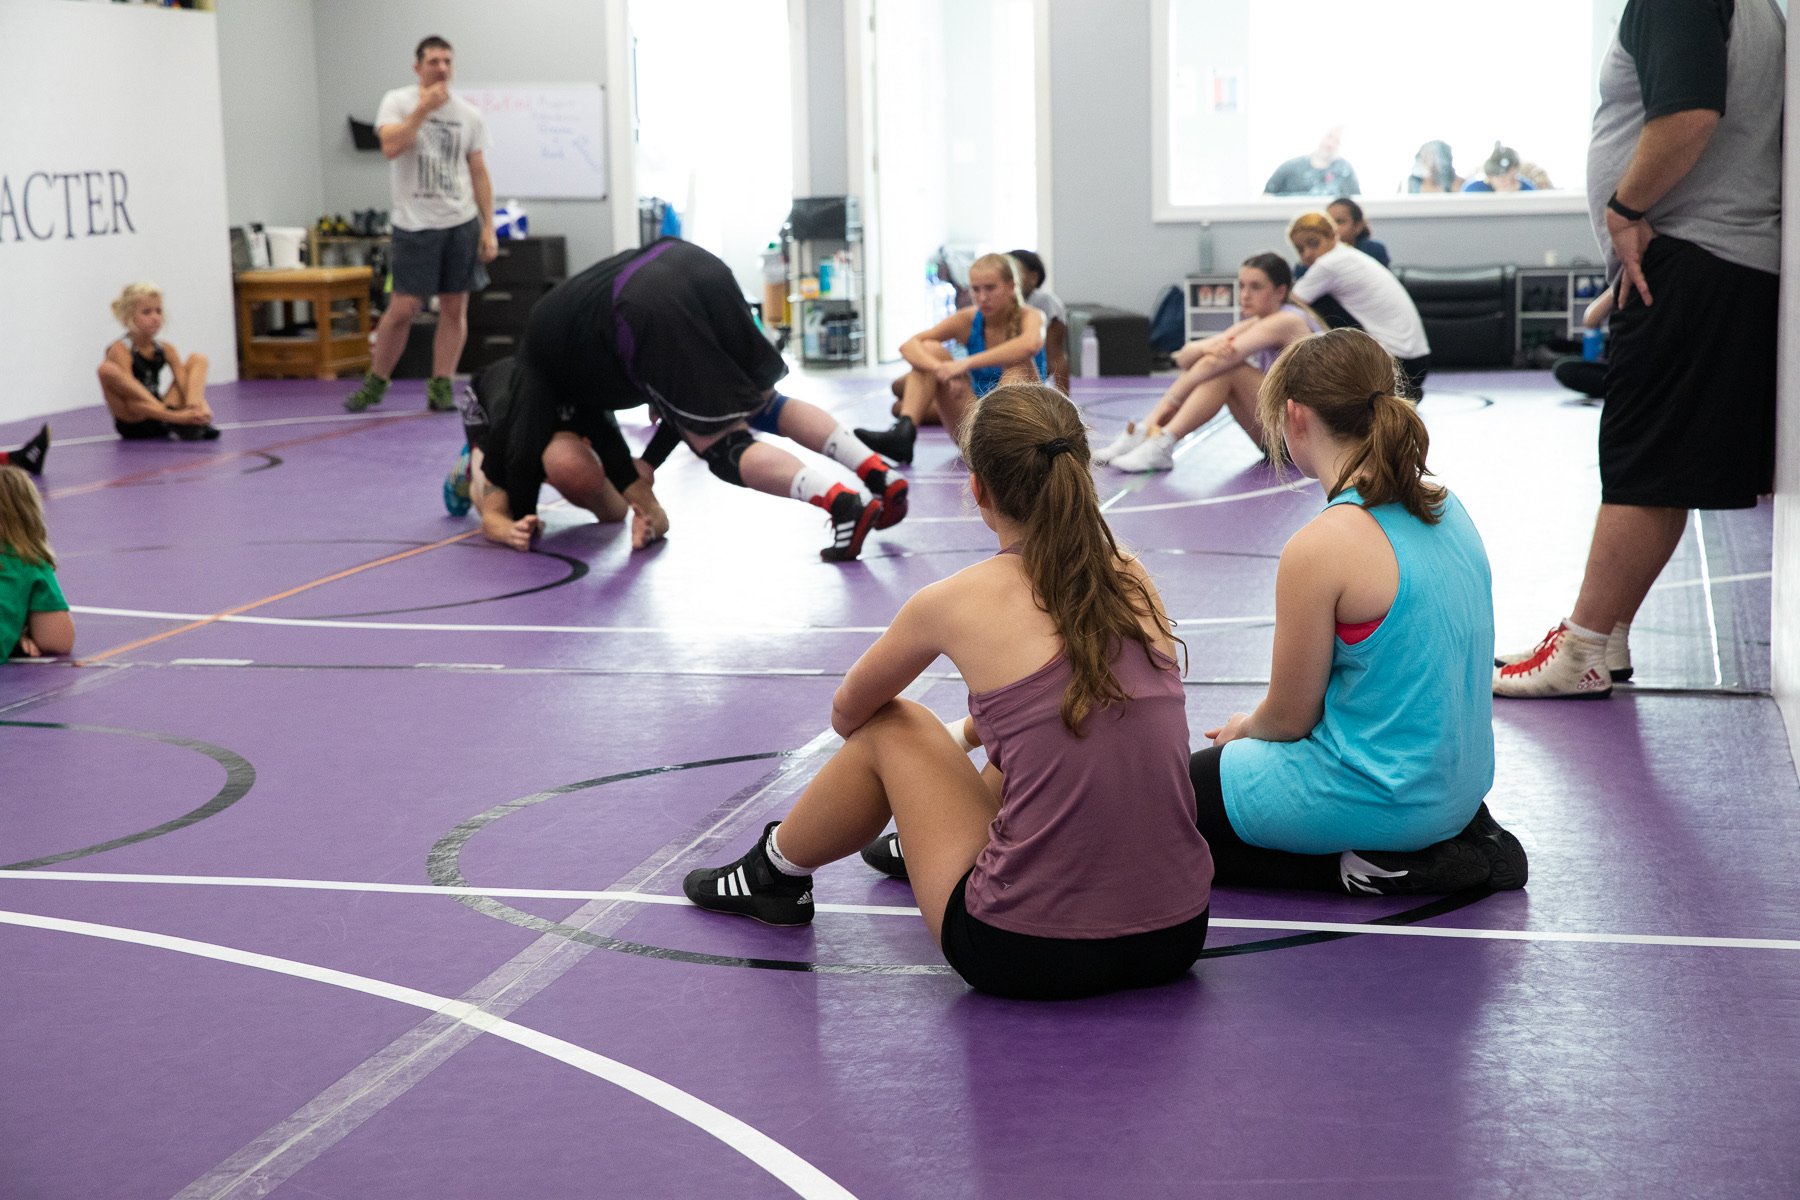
(954, 327)
(898, 657)
(1014, 349)
(484, 203)
(1056, 352)
(497, 524)
(1306, 595)
(1666, 151)
(398, 137)
(139, 403)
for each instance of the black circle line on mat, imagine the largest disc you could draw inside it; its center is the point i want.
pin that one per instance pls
(577, 569)
(443, 865)
(240, 777)
(269, 462)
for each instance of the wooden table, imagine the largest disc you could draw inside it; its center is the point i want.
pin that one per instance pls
(327, 353)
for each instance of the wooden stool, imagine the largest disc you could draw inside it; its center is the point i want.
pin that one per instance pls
(326, 354)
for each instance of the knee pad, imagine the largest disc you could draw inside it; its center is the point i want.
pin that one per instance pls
(768, 419)
(723, 455)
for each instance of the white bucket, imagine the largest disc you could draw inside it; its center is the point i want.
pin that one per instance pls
(284, 246)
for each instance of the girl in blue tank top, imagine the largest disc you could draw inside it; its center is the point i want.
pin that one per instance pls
(1004, 338)
(1364, 768)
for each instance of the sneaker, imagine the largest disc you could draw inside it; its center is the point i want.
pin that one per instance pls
(891, 491)
(1483, 855)
(851, 520)
(1125, 443)
(373, 388)
(457, 486)
(31, 455)
(894, 444)
(440, 396)
(1561, 666)
(1154, 453)
(1618, 654)
(752, 887)
(884, 855)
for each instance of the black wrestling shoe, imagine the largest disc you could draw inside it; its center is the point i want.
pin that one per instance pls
(884, 855)
(1482, 855)
(196, 433)
(891, 491)
(851, 521)
(895, 444)
(752, 887)
(31, 454)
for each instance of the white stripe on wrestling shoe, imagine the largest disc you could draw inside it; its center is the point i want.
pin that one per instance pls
(1357, 874)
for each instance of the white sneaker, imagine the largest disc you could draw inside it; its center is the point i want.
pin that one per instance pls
(1563, 665)
(1157, 453)
(1618, 654)
(1126, 442)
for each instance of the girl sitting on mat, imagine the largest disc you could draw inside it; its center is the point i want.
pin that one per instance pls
(131, 376)
(34, 617)
(1222, 371)
(1005, 341)
(1363, 769)
(1071, 865)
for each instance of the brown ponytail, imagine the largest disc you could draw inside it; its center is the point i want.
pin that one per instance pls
(1355, 388)
(1027, 445)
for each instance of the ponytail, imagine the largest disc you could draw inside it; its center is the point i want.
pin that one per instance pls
(1355, 388)
(1026, 444)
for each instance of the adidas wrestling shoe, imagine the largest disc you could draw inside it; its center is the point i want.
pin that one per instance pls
(752, 887)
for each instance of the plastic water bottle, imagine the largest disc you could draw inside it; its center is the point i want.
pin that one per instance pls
(1090, 353)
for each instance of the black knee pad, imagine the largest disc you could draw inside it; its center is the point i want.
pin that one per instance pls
(723, 455)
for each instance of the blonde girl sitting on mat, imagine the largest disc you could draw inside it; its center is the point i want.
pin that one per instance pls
(1364, 767)
(131, 375)
(1071, 865)
(34, 617)
(1222, 371)
(1005, 341)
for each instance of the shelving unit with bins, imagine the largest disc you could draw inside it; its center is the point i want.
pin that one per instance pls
(1551, 303)
(826, 326)
(1212, 304)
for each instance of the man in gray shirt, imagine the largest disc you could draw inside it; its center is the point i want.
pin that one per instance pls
(1684, 185)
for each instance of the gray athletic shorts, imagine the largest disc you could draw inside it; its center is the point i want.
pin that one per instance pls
(438, 262)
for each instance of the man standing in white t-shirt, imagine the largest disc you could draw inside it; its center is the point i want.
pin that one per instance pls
(443, 220)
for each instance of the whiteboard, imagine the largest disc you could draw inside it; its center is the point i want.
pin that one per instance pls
(544, 140)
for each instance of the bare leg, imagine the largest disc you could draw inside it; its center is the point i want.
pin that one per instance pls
(901, 763)
(573, 469)
(1631, 546)
(1246, 382)
(452, 332)
(765, 468)
(130, 401)
(954, 399)
(1205, 400)
(190, 396)
(390, 334)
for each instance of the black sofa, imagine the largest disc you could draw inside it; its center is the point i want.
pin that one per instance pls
(1469, 312)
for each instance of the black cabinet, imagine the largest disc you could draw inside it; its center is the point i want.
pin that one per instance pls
(524, 270)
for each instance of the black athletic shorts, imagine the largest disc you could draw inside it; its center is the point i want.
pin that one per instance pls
(438, 262)
(147, 430)
(688, 340)
(1689, 420)
(1022, 967)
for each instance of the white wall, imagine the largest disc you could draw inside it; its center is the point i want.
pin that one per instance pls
(271, 112)
(120, 175)
(1785, 620)
(1105, 245)
(364, 49)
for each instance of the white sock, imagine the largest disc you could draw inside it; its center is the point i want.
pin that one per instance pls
(847, 448)
(778, 860)
(809, 483)
(1622, 631)
(1585, 634)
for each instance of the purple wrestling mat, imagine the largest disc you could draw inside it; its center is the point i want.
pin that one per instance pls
(347, 862)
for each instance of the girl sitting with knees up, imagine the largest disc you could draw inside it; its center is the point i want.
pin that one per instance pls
(1364, 767)
(1071, 865)
(1005, 341)
(34, 617)
(131, 375)
(1222, 371)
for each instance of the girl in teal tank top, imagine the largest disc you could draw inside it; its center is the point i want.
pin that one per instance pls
(1364, 767)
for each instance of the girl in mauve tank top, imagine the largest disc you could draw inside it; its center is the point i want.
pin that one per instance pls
(1071, 864)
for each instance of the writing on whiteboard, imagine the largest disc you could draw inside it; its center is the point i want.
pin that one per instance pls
(544, 140)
